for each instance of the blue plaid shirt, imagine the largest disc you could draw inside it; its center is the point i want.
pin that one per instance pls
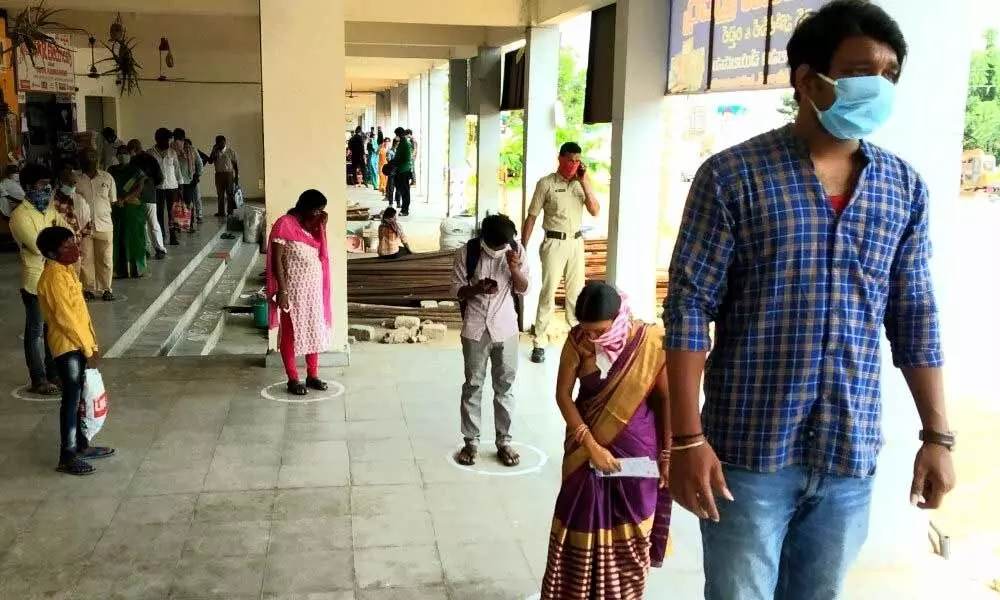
(798, 295)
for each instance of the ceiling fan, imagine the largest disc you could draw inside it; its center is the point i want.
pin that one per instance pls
(350, 92)
(166, 58)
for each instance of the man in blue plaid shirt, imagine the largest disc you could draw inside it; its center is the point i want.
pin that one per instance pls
(800, 244)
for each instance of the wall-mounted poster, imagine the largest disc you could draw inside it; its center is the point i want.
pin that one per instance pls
(723, 45)
(52, 69)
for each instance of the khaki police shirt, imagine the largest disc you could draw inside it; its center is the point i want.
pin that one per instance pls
(562, 201)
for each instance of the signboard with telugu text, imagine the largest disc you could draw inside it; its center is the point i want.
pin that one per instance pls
(722, 45)
(52, 69)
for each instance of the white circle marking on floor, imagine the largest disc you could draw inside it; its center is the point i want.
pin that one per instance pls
(502, 471)
(21, 393)
(336, 389)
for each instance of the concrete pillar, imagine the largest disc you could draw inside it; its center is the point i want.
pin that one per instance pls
(541, 87)
(637, 114)
(436, 136)
(424, 148)
(485, 94)
(413, 122)
(937, 66)
(297, 120)
(458, 110)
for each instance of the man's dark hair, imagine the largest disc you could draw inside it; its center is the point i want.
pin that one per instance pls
(179, 134)
(570, 148)
(598, 301)
(497, 230)
(219, 139)
(121, 149)
(400, 132)
(162, 134)
(409, 132)
(31, 174)
(49, 240)
(134, 145)
(109, 133)
(819, 34)
(10, 170)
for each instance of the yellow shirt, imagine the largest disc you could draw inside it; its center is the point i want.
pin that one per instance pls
(26, 222)
(60, 295)
(562, 202)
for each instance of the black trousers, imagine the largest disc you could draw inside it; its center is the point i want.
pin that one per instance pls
(164, 203)
(72, 367)
(402, 187)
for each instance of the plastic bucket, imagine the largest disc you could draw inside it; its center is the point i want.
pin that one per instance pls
(260, 313)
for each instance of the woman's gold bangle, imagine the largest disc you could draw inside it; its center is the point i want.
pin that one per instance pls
(700, 442)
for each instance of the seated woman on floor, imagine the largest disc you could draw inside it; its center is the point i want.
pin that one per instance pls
(391, 239)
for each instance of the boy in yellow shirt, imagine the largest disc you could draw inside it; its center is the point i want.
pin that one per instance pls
(72, 341)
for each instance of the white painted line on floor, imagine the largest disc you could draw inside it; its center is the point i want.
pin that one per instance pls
(21, 393)
(336, 389)
(500, 470)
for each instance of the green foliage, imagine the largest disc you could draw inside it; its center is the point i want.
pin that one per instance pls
(571, 91)
(982, 113)
(789, 107)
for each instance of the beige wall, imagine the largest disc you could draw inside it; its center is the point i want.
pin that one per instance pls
(207, 51)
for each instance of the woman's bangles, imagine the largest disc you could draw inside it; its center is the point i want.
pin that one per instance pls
(687, 442)
(580, 433)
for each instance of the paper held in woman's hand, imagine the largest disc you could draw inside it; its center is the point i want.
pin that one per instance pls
(639, 466)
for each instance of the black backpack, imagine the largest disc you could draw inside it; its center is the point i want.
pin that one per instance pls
(473, 250)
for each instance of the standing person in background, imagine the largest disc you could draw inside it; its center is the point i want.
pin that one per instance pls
(359, 157)
(298, 284)
(227, 175)
(98, 188)
(416, 154)
(383, 159)
(381, 136)
(11, 192)
(562, 196)
(802, 244)
(404, 172)
(73, 342)
(390, 182)
(154, 177)
(108, 149)
(28, 220)
(130, 217)
(169, 189)
(488, 272)
(194, 193)
(75, 210)
(191, 169)
(373, 174)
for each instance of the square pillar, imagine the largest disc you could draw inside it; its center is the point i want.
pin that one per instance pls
(458, 110)
(640, 81)
(297, 119)
(420, 133)
(540, 151)
(436, 136)
(486, 101)
(413, 110)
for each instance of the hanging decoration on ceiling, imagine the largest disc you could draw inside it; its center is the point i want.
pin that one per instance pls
(126, 68)
(27, 30)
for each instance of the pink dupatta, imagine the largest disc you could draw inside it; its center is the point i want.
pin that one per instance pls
(289, 229)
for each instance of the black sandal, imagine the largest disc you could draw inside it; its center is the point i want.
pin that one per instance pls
(45, 389)
(507, 456)
(467, 455)
(96, 453)
(315, 383)
(297, 388)
(76, 466)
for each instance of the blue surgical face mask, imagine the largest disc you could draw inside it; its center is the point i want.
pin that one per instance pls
(863, 104)
(67, 190)
(39, 198)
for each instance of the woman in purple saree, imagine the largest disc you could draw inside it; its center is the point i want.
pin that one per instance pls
(607, 532)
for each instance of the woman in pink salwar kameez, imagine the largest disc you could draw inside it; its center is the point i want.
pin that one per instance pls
(298, 287)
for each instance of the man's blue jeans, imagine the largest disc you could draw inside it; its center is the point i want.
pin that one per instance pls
(790, 535)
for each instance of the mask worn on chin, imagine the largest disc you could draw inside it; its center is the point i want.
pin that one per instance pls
(39, 198)
(862, 105)
(494, 253)
(70, 257)
(67, 190)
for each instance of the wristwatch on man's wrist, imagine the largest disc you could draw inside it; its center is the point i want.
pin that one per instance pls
(939, 438)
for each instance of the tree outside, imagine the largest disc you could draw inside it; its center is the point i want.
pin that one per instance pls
(982, 113)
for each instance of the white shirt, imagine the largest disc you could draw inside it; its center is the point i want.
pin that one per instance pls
(492, 313)
(10, 189)
(100, 193)
(225, 160)
(171, 167)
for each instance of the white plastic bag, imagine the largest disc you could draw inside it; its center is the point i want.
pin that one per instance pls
(238, 198)
(95, 403)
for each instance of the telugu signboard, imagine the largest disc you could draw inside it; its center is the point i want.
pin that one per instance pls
(52, 69)
(731, 44)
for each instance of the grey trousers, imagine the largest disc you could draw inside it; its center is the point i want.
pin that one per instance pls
(502, 357)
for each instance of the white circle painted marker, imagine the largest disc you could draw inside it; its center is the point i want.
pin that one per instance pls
(500, 470)
(21, 393)
(537, 596)
(336, 389)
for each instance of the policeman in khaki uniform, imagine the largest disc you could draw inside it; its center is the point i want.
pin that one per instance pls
(562, 196)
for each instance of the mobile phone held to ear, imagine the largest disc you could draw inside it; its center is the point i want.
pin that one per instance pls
(581, 171)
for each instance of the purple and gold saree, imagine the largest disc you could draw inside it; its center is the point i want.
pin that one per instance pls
(607, 532)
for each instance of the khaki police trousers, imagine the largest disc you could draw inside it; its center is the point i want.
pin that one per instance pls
(98, 262)
(561, 260)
